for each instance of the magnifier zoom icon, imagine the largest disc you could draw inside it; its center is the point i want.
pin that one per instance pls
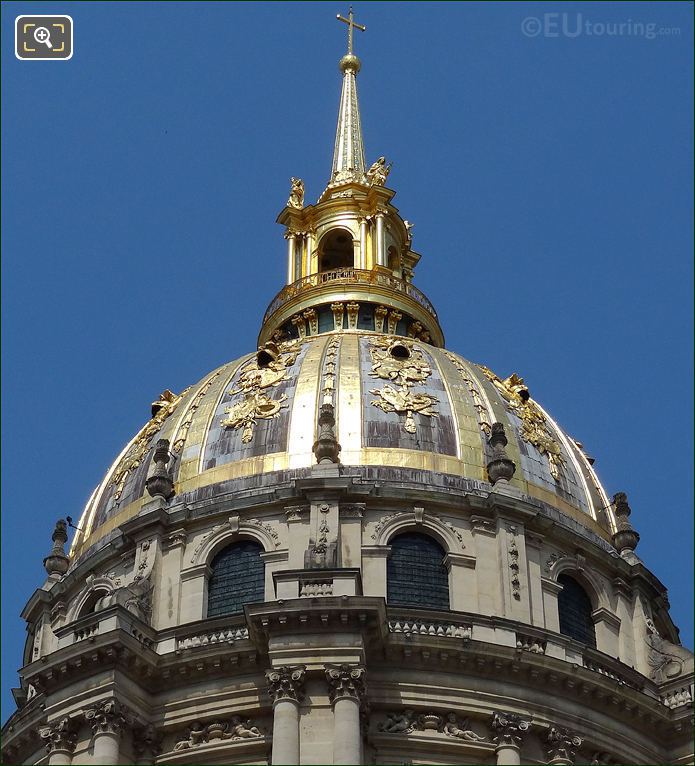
(42, 35)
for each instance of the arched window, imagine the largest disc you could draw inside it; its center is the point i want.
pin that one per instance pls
(336, 251)
(238, 578)
(575, 611)
(90, 605)
(416, 574)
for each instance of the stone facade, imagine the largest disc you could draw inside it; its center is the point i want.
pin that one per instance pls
(339, 675)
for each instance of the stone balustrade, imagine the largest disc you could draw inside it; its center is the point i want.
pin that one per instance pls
(305, 585)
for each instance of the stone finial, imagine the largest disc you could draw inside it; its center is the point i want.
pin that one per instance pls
(562, 746)
(626, 538)
(500, 468)
(160, 484)
(286, 683)
(57, 561)
(326, 447)
(346, 681)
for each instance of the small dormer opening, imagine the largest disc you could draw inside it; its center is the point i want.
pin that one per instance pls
(399, 351)
(336, 251)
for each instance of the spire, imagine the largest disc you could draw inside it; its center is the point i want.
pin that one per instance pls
(348, 156)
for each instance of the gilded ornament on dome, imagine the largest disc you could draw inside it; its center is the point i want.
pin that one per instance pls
(399, 361)
(167, 402)
(405, 402)
(534, 425)
(255, 406)
(254, 378)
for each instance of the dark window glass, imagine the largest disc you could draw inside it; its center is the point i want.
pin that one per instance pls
(326, 323)
(575, 611)
(416, 575)
(238, 578)
(402, 328)
(365, 317)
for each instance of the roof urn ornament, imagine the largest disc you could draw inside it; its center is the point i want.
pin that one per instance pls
(326, 447)
(500, 468)
(160, 483)
(625, 538)
(57, 561)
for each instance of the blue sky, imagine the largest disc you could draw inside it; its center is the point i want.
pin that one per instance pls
(548, 176)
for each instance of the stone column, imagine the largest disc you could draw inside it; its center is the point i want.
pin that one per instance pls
(562, 746)
(309, 244)
(286, 690)
(346, 690)
(107, 719)
(380, 254)
(291, 241)
(61, 739)
(509, 730)
(363, 243)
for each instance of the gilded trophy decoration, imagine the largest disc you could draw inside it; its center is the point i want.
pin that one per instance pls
(534, 428)
(401, 362)
(167, 402)
(267, 369)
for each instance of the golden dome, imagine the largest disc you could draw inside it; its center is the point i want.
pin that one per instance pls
(399, 404)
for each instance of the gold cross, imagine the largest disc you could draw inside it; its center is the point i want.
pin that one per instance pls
(351, 25)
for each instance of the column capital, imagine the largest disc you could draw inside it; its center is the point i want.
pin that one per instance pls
(561, 745)
(346, 681)
(107, 717)
(509, 729)
(286, 683)
(59, 735)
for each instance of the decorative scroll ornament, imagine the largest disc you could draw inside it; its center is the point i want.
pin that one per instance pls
(484, 417)
(401, 362)
(665, 658)
(513, 558)
(255, 405)
(286, 683)
(235, 730)
(182, 432)
(407, 722)
(534, 426)
(161, 409)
